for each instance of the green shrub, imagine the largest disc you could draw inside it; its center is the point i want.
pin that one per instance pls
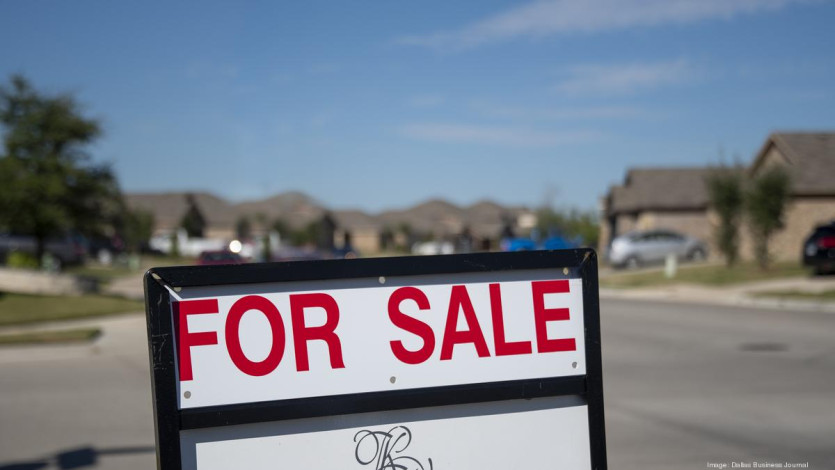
(19, 259)
(765, 202)
(726, 196)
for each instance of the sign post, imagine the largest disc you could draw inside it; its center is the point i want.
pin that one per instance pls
(417, 363)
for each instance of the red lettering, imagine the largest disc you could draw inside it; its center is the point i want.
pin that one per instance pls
(503, 348)
(233, 340)
(459, 301)
(327, 332)
(544, 315)
(187, 339)
(412, 325)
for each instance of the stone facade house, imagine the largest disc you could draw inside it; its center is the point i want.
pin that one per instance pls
(657, 198)
(676, 198)
(809, 158)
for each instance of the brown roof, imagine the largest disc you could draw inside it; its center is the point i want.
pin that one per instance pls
(435, 215)
(810, 157)
(439, 217)
(660, 189)
(297, 209)
(352, 219)
(168, 208)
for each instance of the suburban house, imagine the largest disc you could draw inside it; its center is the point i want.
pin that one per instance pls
(657, 198)
(168, 209)
(809, 159)
(677, 199)
(483, 222)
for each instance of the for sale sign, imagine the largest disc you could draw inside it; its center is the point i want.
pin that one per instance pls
(472, 361)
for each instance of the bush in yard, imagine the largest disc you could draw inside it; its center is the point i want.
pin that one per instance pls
(726, 198)
(18, 259)
(765, 204)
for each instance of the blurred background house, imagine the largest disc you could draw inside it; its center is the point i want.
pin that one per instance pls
(809, 159)
(677, 198)
(657, 198)
(295, 217)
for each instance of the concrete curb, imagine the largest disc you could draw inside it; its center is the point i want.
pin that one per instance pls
(27, 281)
(85, 322)
(717, 297)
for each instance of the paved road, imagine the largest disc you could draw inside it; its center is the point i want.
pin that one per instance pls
(686, 385)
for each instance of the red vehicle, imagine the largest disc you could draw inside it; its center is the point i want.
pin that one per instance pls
(216, 257)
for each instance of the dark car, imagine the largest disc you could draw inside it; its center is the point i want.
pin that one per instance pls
(65, 250)
(105, 249)
(819, 249)
(215, 257)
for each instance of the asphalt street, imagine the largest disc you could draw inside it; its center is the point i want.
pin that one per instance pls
(686, 387)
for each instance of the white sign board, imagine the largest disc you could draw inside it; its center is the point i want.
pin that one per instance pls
(411, 371)
(507, 435)
(334, 340)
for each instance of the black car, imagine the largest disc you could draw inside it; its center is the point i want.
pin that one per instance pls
(819, 249)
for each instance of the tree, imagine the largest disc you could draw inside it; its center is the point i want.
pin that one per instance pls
(386, 238)
(193, 221)
(137, 227)
(47, 183)
(243, 228)
(765, 204)
(267, 252)
(725, 193)
(574, 223)
(282, 228)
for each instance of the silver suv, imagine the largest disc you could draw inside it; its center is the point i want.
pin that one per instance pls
(635, 249)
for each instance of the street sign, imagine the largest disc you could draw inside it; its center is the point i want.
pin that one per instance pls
(466, 361)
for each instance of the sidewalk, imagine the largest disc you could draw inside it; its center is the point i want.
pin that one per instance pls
(127, 286)
(121, 334)
(736, 295)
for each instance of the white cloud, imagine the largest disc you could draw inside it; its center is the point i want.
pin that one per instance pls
(491, 135)
(616, 79)
(545, 18)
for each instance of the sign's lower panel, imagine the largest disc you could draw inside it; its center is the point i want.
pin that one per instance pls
(546, 433)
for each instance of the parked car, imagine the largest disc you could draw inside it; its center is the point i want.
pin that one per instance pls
(186, 246)
(105, 249)
(636, 249)
(65, 250)
(215, 257)
(433, 248)
(518, 244)
(554, 242)
(819, 249)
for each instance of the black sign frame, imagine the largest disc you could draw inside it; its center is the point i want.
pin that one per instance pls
(169, 421)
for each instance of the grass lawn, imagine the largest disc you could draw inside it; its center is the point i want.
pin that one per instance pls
(45, 337)
(101, 273)
(20, 308)
(825, 296)
(710, 275)
(106, 274)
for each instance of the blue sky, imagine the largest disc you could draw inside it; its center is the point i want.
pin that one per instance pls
(377, 105)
